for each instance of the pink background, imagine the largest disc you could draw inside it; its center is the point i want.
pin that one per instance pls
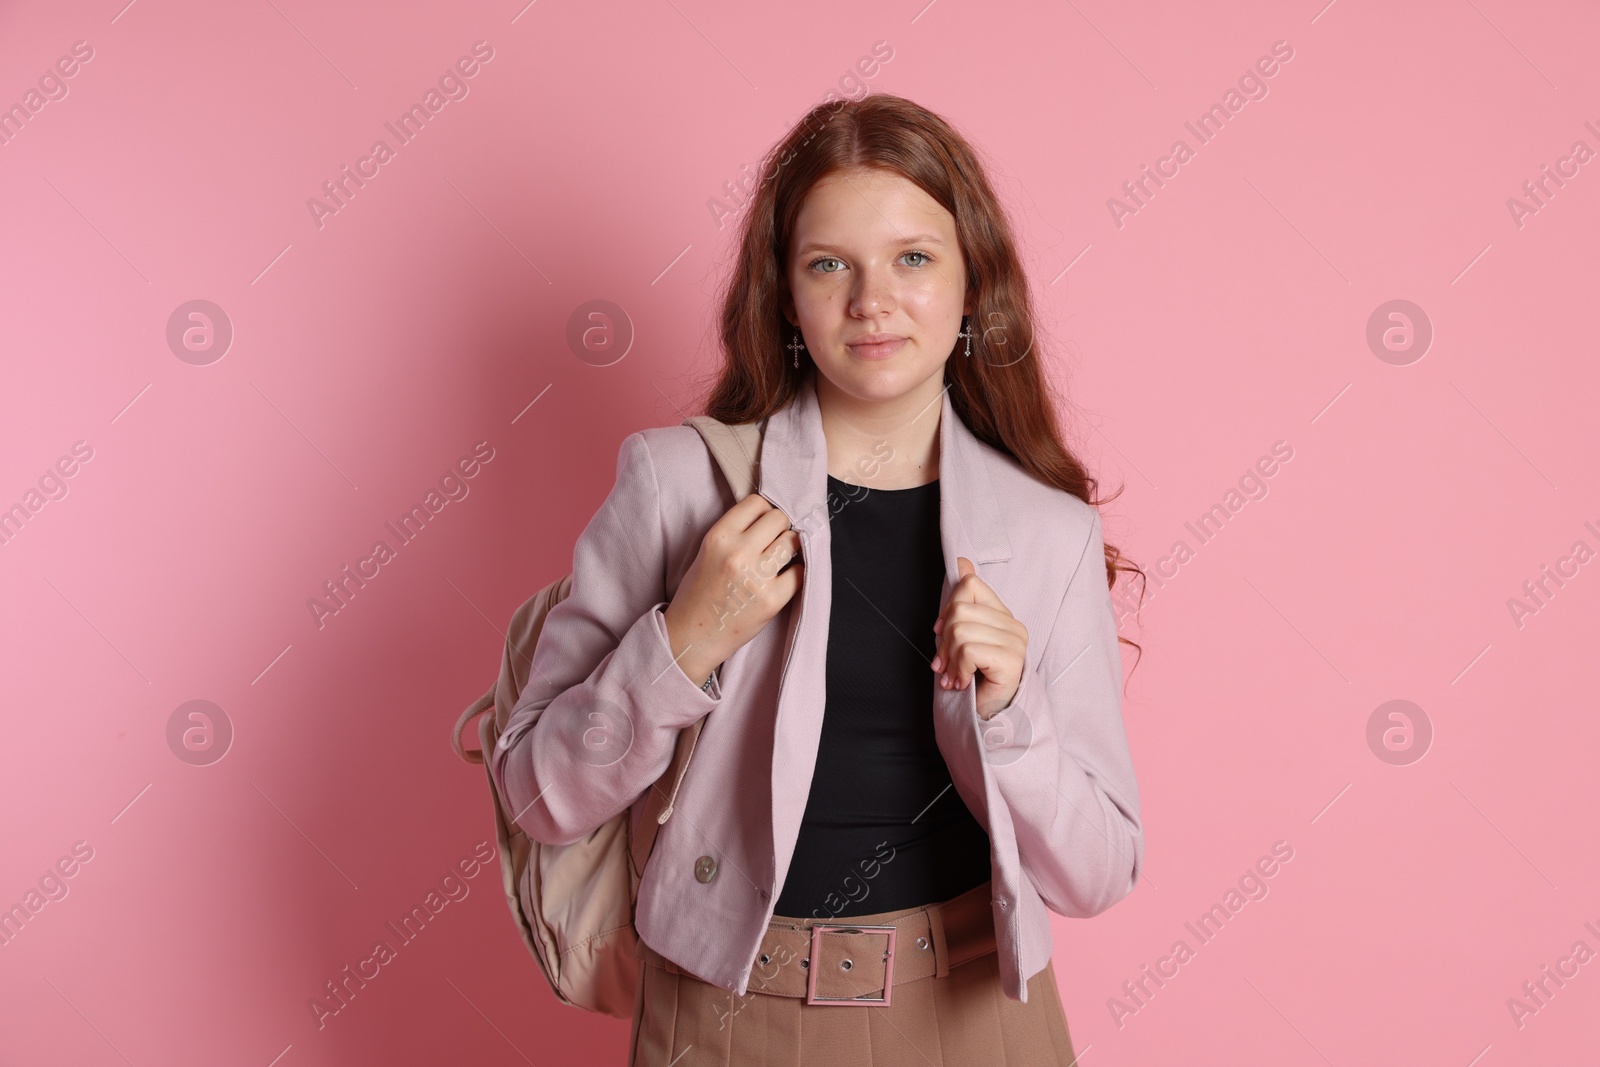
(370, 354)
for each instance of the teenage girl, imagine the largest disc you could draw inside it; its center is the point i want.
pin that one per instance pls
(877, 274)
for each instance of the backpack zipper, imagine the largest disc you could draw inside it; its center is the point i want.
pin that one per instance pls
(666, 812)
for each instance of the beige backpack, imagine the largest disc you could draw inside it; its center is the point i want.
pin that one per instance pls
(574, 903)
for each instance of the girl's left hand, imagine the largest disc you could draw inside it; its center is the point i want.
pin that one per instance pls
(979, 639)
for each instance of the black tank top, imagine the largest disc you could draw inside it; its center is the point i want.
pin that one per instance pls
(884, 829)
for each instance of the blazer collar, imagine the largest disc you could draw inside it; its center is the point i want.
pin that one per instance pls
(794, 476)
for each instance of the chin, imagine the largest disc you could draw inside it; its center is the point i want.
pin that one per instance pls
(878, 381)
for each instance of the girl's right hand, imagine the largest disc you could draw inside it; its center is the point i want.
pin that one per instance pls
(747, 569)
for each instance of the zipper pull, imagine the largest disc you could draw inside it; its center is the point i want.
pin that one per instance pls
(666, 812)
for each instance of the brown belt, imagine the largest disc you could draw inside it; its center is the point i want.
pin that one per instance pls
(845, 963)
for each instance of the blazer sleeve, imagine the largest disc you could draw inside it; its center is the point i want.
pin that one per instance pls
(1065, 772)
(597, 723)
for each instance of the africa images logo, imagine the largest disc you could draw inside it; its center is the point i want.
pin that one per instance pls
(1252, 85)
(411, 122)
(341, 590)
(453, 887)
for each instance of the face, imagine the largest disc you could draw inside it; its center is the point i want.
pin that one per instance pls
(877, 286)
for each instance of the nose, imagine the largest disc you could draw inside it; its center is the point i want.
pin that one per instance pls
(873, 293)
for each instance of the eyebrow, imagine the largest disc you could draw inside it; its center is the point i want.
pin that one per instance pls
(916, 238)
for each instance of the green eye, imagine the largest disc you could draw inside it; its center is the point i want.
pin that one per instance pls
(925, 260)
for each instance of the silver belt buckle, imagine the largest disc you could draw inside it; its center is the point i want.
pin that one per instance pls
(816, 965)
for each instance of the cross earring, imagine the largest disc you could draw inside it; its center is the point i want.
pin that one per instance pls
(797, 346)
(966, 331)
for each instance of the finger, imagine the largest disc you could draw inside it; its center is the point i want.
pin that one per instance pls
(984, 633)
(764, 528)
(963, 588)
(786, 540)
(753, 503)
(974, 633)
(961, 591)
(745, 511)
(975, 656)
(784, 551)
(786, 583)
(995, 624)
(972, 589)
(984, 613)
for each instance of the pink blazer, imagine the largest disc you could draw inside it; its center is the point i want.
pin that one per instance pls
(1050, 777)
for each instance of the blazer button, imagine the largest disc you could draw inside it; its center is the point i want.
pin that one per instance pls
(705, 868)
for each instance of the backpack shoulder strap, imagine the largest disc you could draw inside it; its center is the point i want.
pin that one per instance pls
(736, 448)
(476, 708)
(516, 663)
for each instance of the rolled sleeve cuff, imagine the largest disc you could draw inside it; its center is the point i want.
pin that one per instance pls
(701, 700)
(1018, 702)
(640, 675)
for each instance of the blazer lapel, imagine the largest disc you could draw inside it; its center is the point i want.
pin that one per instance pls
(971, 524)
(794, 477)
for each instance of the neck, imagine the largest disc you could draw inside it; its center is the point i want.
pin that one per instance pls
(888, 444)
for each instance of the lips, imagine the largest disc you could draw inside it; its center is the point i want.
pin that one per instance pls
(877, 346)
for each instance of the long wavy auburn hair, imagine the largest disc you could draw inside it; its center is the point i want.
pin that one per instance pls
(1000, 393)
